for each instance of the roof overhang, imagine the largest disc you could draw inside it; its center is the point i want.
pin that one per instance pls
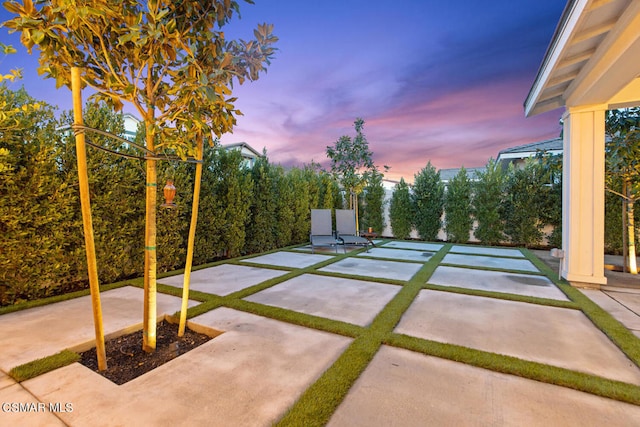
(593, 58)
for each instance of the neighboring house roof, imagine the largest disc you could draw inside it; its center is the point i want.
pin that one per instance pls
(552, 146)
(447, 175)
(243, 147)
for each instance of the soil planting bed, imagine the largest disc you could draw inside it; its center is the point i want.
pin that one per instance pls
(127, 360)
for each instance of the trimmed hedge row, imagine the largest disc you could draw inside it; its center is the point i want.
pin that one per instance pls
(242, 210)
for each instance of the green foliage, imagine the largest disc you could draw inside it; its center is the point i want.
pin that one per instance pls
(301, 226)
(373, 212)
(36, 206)
(261, 234)
(400, 211)
(227, 189)
(457, 205)
(169, 59)
(487, 200)
(351, 161)
(284, 203)
(550, 195)
(523, 202)
(117, 195)
(428, 202)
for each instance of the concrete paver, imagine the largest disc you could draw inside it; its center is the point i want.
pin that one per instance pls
(352, 301)
(288, 259)
(374, 268)
(551, 335)
(42, 331)
(497, 281)
(401, 254)
(403, 388)
(480, 250)
(6, 380)
(419, 246)
(224, 279)
(490, 262)
(623, 306)
(250, 375)
(255, 370)
(18, 407)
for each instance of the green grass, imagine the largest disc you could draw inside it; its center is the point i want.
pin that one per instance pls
(44, 365)
(318, 403)
(523, 368)
(617, 333)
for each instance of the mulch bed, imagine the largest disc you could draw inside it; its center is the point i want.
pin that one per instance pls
(127, 360)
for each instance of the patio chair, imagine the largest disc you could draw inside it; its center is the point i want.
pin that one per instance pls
(321, 230)
(346, 229)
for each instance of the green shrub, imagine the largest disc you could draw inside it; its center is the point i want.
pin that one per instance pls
(486, 202)
(428, 202)
(400, 211)
(458, 221)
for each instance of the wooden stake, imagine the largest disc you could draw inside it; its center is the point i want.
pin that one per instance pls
(192, 238)
(85, 203)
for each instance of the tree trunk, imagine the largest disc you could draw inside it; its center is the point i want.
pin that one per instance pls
(631, 231)
(150, 263)
(625, 247)
(192, 238)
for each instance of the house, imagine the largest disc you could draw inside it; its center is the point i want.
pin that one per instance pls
(591, 65)
(518, 155)
(249, 154)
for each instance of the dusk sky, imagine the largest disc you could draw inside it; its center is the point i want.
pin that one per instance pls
(434, 81)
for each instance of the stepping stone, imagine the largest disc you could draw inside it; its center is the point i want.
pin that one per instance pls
(352, 301)
(401, 254)
(224, 279)
(479, 250)
(497, 281)
(433, 247)
(555, 336)
(374, 268)
(288, 259)
(490, 262)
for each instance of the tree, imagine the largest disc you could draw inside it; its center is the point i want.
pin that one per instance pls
(170, 60)
(623, 162)
(428, 202)
(261, 235)
(458, 221)
(400, 211)
(374, 203)
(488, 193)
(352, 164)
(523, 203)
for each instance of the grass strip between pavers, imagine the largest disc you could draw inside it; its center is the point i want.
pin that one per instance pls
(612, 328)
(604, 387)
(41, 366)
(503, 296)
(322, 398)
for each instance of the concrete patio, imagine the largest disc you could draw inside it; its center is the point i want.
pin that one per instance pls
(257, 369)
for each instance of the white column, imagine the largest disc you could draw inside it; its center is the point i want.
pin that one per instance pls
(583, 196)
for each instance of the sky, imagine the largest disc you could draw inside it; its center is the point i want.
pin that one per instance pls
(435, 81)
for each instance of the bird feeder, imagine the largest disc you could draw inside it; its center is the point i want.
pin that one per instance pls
(169, 192)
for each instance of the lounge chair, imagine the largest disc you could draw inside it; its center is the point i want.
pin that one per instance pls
(321, 230)
(346, 228)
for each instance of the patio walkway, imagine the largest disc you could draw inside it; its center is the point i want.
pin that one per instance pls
(455, 336)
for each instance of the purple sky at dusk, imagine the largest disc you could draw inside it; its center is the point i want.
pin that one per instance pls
(434, 81)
